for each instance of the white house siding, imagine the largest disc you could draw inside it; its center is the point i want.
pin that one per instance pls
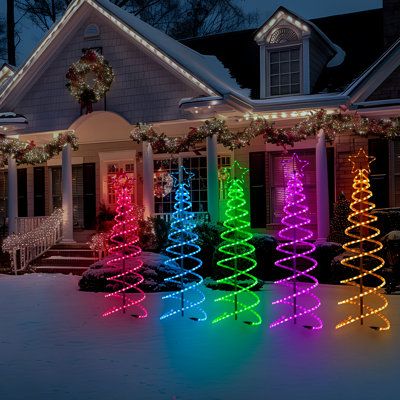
(143, 89)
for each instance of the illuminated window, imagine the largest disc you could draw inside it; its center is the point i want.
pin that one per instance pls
(112, 169)
(223, 162)
(164, 204)
(277, 185)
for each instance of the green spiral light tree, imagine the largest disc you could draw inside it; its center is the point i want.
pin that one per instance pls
(238, 252)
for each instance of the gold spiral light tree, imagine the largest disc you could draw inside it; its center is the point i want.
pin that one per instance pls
(363, 248)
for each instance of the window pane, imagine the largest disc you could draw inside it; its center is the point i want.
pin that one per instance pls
(295, 54)
(295, 66)
(274, 91)
(284, 55)
(274, 57)
(285, 89)
(285, 79)
(295, 89)
(295, 78)
(274, 69)
(285, 67)
(275, 80)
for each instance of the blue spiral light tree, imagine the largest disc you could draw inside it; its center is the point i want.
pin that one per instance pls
(182, 251)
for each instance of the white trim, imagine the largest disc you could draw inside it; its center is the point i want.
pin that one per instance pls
(305, 65)
(57, 28)
(263, 72)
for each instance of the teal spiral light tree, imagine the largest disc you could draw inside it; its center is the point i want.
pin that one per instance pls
(182, 251)
(238, 253)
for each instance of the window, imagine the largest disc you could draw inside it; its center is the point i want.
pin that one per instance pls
(277, 185)
(77, 192)
(112, 169)
(284, 71)
(198, 190)
(223, 162)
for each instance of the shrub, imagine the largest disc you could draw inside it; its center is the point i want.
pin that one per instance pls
(153, 270)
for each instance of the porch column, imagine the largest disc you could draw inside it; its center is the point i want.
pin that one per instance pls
(12, 196)
(322, 188)
(148, 180)
(67, 199)
(212, 179)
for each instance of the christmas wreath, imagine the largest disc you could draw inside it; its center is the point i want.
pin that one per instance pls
(79, 77)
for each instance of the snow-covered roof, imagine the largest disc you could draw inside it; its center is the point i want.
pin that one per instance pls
(367, 82)
(302, 24)
(205, 67)
(206, 72)
(10, 122)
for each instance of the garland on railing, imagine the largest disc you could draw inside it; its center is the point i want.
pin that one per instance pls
(333, 125)
(35, 236)
(29, 153)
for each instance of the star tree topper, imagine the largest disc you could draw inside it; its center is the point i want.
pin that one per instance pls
(235, 171)
(361, 162)
(182, 176)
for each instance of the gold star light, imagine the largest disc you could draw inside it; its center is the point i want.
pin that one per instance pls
(361, 162)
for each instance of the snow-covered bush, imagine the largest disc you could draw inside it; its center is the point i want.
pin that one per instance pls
(154, 272)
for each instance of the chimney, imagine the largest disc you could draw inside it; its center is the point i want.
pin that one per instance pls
(391, 21)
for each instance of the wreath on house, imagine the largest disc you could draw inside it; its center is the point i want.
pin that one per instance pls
(89, 79)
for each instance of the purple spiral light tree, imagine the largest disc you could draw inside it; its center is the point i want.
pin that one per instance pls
(297, 250)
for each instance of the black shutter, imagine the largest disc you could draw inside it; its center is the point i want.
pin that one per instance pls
(89, 195)
(39, 191)
(22, 193)
(379, 177)
(258, 206)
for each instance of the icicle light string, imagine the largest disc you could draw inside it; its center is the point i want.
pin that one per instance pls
(295, 236)
(238, 253)
(125, 251)
(363, 247)
(182, 251)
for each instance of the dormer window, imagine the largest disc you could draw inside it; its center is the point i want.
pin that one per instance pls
(284, 71)
(293, 54)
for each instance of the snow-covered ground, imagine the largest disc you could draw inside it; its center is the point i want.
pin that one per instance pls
(54, 345)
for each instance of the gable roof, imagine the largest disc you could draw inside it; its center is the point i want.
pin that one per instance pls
(204, 71)
(361, 45)
(375, 75)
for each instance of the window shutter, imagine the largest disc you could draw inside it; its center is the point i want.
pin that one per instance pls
(22, 192)
(258, 206)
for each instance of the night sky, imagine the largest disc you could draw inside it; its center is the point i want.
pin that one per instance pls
(306, 8)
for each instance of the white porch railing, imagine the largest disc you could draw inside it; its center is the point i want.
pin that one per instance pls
(198, 216)
(26, 246)
(27, 224)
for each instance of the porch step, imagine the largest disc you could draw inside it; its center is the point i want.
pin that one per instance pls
(74, 258)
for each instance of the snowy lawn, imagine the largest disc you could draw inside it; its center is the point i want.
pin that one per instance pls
(55, 346)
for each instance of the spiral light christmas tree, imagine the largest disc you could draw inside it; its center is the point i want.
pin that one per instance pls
(182, 251)
(239, 253)
(297, 250)
(124, 251)
(363, 248)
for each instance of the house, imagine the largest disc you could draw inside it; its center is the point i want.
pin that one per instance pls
(284, 70)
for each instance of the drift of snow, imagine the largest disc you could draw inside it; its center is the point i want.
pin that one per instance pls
(54, 345)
